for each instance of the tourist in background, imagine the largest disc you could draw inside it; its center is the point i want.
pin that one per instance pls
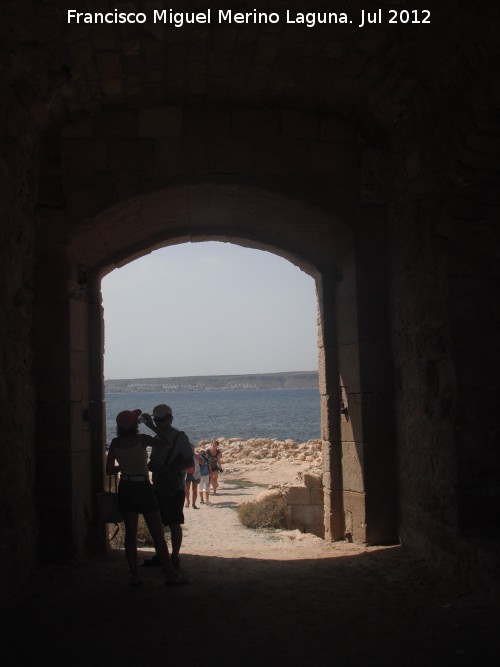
(214, 456)
(193, 479)
(205, 475)
(135, 493)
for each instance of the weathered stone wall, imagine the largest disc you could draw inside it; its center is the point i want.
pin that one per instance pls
(424, 382)
(305, 506)
(18, 518)
(19, 525)
(444, 329)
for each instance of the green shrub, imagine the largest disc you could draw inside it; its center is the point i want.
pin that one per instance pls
(269, 513)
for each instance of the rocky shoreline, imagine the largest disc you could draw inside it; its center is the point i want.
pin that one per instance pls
(267, 450)
(286, 380)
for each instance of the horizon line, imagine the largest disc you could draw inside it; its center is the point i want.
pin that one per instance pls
(180, 377)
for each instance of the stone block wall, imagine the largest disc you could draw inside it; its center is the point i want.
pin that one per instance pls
(305, 506)
(18, 509)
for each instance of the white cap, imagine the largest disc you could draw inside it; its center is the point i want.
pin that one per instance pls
(161, 411)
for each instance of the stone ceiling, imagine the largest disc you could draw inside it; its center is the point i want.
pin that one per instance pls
(373, 75)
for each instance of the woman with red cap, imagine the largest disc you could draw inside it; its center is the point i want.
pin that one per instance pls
(135, 493)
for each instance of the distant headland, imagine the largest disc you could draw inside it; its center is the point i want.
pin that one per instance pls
(290, 380)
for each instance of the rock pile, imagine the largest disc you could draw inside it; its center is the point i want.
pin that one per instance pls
(267, 450)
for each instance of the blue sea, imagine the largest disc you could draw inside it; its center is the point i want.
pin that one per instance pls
(245, 414)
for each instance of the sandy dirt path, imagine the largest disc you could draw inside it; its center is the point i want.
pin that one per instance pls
(215, 530)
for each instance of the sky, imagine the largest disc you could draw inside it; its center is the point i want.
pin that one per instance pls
(208, 309)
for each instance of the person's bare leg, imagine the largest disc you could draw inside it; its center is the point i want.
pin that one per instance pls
(188, 485)
(131, 521)
(195, 493)
(176, 535)
(155, 527)
(214, 482)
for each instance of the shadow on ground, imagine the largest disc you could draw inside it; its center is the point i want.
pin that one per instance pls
(377, 608)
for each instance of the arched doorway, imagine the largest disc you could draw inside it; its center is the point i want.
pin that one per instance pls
(354, 382)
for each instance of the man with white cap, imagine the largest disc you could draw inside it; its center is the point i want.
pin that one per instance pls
(169, 475)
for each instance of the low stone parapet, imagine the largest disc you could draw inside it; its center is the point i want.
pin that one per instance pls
(304, 505)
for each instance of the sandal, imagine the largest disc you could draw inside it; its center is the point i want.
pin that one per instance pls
(151, 562)
(178, 580)
(136, 582)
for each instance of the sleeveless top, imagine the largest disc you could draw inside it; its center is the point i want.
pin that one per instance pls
(212, 459)
(132, 460)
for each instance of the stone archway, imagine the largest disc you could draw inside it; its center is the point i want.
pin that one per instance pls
(255, 217)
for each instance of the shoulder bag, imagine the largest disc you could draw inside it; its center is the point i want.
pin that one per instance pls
(108, 507)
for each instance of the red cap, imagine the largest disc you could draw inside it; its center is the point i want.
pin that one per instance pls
(128, 418)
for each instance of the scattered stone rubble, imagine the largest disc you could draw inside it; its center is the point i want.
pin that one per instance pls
(268, 450)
